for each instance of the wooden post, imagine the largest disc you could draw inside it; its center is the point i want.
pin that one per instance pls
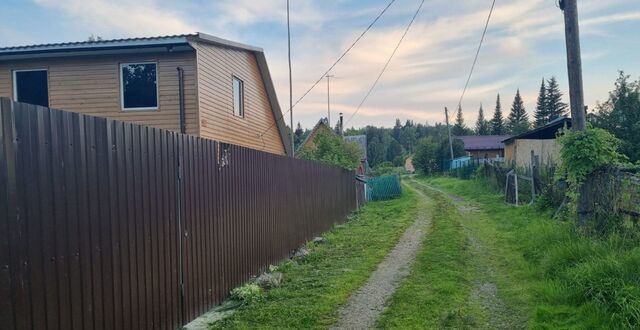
(574, 63)
(533, 176)
(515, 181)
(446, 115)
(574, 68)
(293, 144)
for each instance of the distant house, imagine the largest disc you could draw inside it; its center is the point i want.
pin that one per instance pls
(484, 146)
(192, 83)
(322, 126)
(541, 142)
(361, 141)
(408, 165)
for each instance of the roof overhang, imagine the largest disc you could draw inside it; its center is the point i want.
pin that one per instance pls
(546, 132)
(109, 47)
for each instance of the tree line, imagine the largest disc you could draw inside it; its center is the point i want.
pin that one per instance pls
(429, 145)
(548, 108)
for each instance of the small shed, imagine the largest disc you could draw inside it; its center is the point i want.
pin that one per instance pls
(484, 146)
(540, 142)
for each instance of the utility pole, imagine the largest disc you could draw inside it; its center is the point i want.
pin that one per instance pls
(290, 82)
(446, 115)
(576, 94)
(574, 63)
(329, 98)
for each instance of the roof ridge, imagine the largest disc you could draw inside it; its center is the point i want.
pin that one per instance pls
(97, 42)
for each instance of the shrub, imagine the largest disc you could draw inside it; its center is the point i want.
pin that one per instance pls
(583, 152)
(248, 293)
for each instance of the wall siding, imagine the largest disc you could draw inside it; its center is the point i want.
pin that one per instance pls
(520, 152)
(216, 67)
(91, 85)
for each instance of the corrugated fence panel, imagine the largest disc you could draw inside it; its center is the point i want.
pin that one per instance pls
(112, 225)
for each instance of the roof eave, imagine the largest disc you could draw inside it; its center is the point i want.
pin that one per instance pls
(273, 100)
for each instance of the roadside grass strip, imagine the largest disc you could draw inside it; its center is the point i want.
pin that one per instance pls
(549, 272)
(315, 287)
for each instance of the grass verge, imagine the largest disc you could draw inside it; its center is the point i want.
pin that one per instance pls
(315, 288)
(560, 278)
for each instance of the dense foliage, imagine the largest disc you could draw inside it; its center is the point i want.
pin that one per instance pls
(432, 154)
(332, 149)
(395, 144)
(620, 115)
(583, 152)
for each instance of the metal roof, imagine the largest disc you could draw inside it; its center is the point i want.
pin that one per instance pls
(483, 142)
(546, 132)
(112, 46)
(131, 42)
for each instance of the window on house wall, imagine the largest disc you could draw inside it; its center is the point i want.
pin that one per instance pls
(238, 97)
(31, 86)
(139, 86)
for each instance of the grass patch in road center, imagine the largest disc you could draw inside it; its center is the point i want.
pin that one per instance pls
(314, 289)
(434, 294)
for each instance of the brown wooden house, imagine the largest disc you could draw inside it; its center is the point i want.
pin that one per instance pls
(193, 83)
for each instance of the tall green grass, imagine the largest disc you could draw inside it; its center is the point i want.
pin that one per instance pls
(580, 282)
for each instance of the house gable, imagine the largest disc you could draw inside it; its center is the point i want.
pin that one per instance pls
(217, 66)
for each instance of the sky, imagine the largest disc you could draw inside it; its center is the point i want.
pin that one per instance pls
(524, 43)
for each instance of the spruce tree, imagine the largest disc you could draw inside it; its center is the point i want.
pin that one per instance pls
(541, 114)
(555, 107)
(497, 123)
(459, 128)
(482, 125)
(297, 135)
(518, 121)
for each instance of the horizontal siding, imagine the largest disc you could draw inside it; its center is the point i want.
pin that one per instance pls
(92, 85)
(216, 67)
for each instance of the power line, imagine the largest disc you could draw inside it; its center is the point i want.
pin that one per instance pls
(388, 61)
(330, 68)
(475, 60)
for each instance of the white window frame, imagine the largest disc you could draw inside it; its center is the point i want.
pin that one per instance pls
(157, 107)
(15, 81)
(242, 107)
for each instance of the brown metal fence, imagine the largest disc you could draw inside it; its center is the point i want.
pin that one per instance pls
(112, 225)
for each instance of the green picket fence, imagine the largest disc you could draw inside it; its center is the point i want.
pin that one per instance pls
(383, 188)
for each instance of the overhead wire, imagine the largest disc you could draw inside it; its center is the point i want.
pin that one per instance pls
(330, 68)
(386, 65)
(475, 60)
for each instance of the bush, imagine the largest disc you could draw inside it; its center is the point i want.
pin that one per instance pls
(583, 152)
(333, 150)
(248, 293)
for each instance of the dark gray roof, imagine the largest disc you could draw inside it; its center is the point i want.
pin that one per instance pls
(546, 132)
(76, 47)
(483, 142)
(170, 43)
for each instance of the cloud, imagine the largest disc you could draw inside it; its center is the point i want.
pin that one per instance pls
(122, 17)
(525, 41)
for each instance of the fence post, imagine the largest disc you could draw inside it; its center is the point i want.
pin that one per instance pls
(515, 181)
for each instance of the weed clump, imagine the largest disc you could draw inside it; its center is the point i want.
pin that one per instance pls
(248, 293)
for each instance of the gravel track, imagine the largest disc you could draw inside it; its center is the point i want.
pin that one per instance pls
(365, 306)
